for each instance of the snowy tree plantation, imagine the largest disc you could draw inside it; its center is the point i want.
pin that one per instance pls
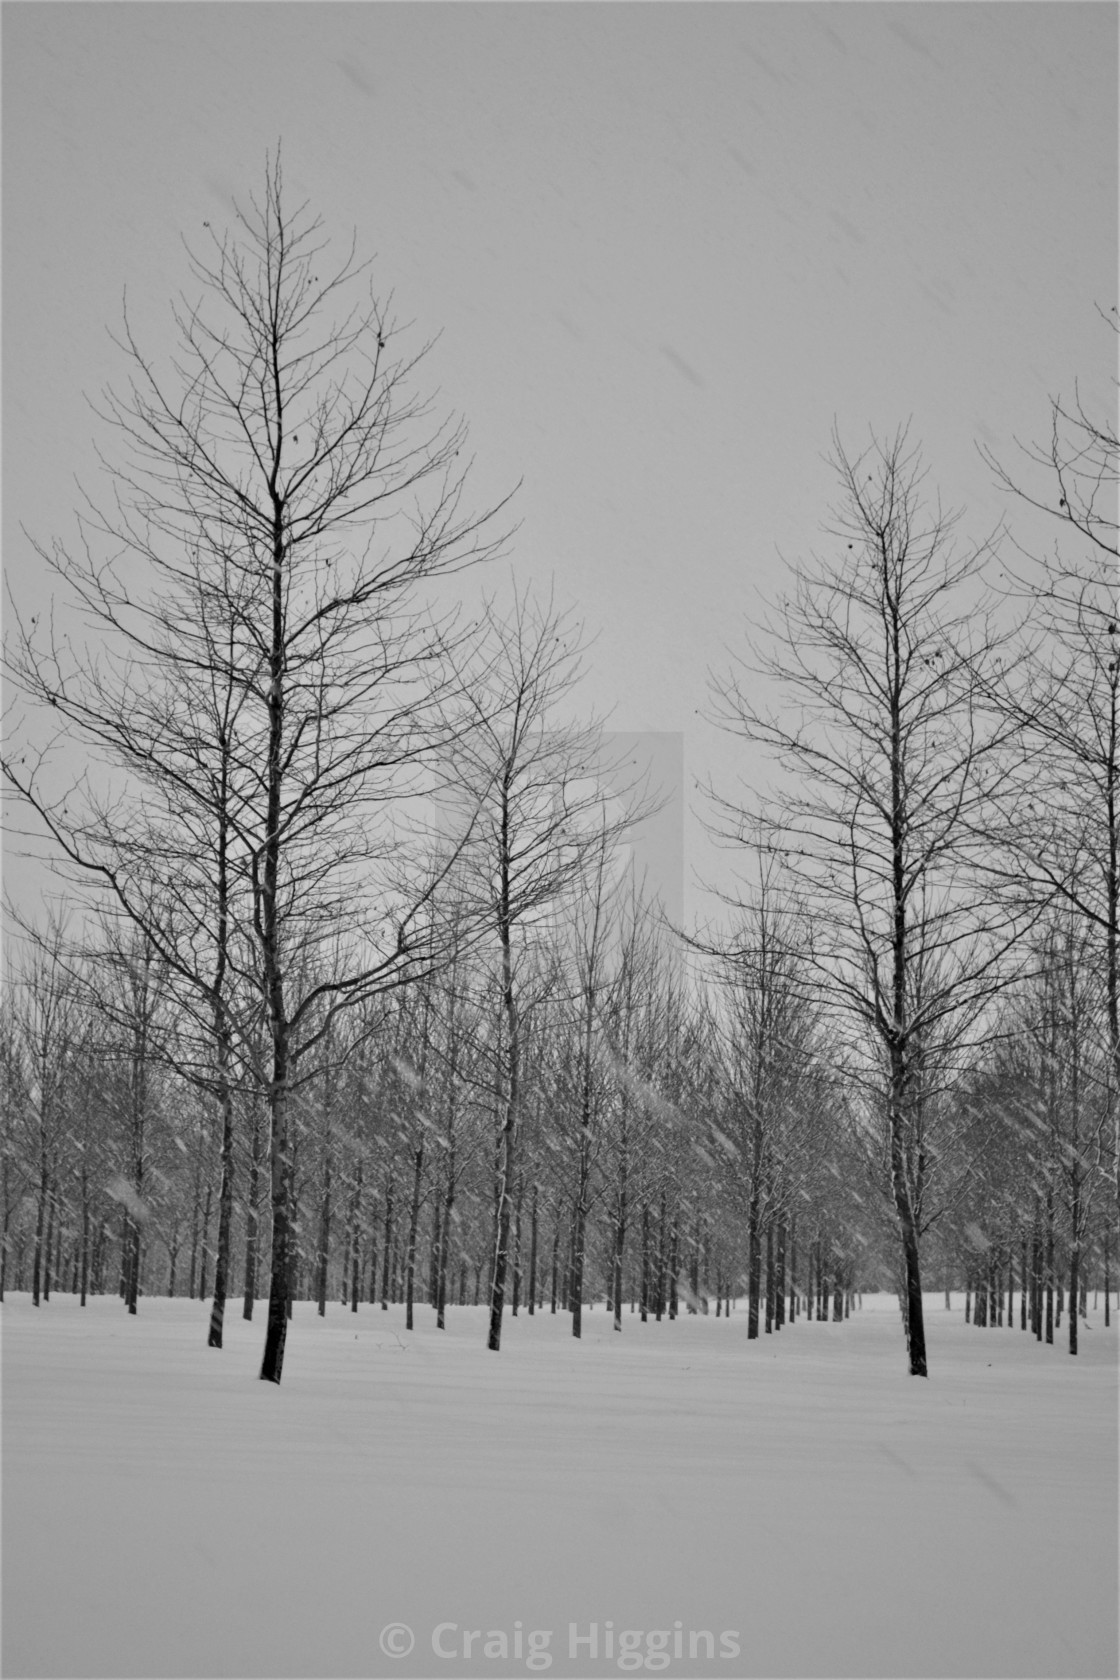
(585, 1259)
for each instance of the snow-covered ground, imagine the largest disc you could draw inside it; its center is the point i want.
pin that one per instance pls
(801, 1500)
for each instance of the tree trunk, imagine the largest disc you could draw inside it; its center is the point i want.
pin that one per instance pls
(205, 1241)
(252, 1216)
(1074, 1258)
(40, 1229)
(356, 1237)
(52, 1198)
(387, 1245)
(507, 1142)
(754, 1256)
(555, 1254)
(619, 1246)
(780, 1277)
(413, 1227)
(1049, 1264)
(907, 1224)
(1107, 1278)
(84, 1276)
(225, 1200)
(434, 1252)
(322, 1246)
(533, 1220)
(645, 1263)
(444, 1247)
(516, 1301)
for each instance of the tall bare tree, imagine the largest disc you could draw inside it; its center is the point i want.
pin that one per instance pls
(532, 783)
(1065, 697)
(265, 666)
(890, 762)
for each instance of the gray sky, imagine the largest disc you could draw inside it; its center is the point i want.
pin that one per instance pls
(666, 246)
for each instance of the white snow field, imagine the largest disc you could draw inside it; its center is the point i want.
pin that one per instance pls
(794, 1506)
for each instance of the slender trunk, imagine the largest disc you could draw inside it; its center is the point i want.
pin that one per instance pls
(225, 1199)
(40, 1228)
(769, 1320)
(269, 917)
(619, 1244)
(138, 1095)
(205, 1239)
(1074, 1259)
(780, 1277)
(754, 1248)
(694, 1264)
(373, 1259)
(1049, 1263)
(444, 1247)
(52, 1200)
(413, 1227)
(434, 1252)
(323, 1246)
(355, 1230)
(252, 1215)
(516, 1301)
(387, 1245)
(1107, 1278)
(223, 1051)
(507, 1145)
(533, 1218)
(85, 1240)
(555, 1255)
(348, 1238)
(584, 1177)
(196, 1215)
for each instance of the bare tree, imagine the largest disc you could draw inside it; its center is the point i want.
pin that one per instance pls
(632, 1025)
(272, 680)
(15, 1122)
(47, 1028)
(532, 783)
(891, 763)
(1065, 697)
(771, 1022)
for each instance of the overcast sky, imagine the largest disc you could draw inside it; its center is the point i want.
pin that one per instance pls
(666, 246)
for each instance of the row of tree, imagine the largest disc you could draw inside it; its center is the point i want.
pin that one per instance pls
(369, 1004)
(678, 1145)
